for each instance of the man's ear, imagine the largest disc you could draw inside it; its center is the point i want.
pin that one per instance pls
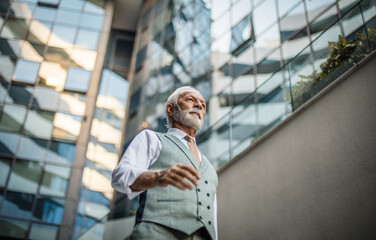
(169, 109)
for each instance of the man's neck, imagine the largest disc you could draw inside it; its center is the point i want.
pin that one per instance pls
(188, 130)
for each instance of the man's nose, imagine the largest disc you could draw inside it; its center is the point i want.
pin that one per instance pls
(198, 105)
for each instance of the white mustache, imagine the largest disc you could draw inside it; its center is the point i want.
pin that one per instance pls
(195, 110)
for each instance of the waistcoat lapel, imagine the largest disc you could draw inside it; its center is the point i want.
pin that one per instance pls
(184, 149)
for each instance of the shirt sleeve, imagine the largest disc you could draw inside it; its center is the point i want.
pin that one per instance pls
(143, 151)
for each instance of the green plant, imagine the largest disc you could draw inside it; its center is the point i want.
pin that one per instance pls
(342, 55)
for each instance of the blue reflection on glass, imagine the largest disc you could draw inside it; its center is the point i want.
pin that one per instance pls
(49, 209)
(26, 71)
(77, 79)
(61, 152)
(45, 13)
(18, 204)
(93, 196)
(87, 39)
(92, 21)
(8, 143)
(114, 85)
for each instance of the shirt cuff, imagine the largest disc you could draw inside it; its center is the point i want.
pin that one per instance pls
(135, 173)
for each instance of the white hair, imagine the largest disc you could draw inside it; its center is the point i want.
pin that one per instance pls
(173, 99)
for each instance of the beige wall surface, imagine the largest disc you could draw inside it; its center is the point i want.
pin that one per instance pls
(314, 177)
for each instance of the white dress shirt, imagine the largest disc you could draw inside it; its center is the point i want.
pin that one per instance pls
(143, 151)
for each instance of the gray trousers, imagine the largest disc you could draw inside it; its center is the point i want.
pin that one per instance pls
(154, 231)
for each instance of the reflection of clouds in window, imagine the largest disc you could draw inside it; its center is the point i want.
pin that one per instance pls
(22, 10)
(72, 103)
(241, 32)
(66, 126)
(8, 143)
(53, 75)
(18, 204)
(96, 152)
(61, 152)
(261, 20)
(39, 124)
(6, 67)
(62, 36)
(25, 176)
(113, 91)
(55, 180)
(12, 117)
(32, 148)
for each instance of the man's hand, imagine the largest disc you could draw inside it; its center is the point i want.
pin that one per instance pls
(175, 176)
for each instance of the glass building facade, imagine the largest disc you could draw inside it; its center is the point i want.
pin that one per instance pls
(249, 58)
(68, 111)
(62, 106)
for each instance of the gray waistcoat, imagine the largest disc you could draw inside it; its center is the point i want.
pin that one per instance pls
(188, 210)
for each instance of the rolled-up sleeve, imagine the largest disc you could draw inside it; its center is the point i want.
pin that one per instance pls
(143, 151)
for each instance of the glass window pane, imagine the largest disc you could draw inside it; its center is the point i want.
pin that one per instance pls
(12, 118)
(262, 20)
(19, 94)
(25, 176)
(10, 47)
(314, 8)
(66, 126)
(62, 36)
(61, 152)
(45, 13)
(3, 91)
(39, 31)
(32, 148)
(72, 103)
(26, 71)
(7, 65)
(95, 7)
(45, 98)
(8, 143)
(68, 17)
(55, 180)
(49, 209)
(91, 21)
(285, 5)
(87, 39)
(32, 51)
(293, 23)
(13, 228)
(112, 86)
(43, 232)
(59, 55)
(39, 124)
(22, 10)
(4, 171)
(17, 204)
(77, 79)
(71, 4)
(15, 28)
(52, 75)
(84, 58)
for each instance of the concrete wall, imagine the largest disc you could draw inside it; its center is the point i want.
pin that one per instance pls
(314, 176)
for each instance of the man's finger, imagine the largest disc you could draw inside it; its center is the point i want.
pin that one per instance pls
(175, 184)
(190, 169)
(187, 174)
(181, 180)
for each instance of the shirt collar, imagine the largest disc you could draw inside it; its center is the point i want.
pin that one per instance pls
(178, 133)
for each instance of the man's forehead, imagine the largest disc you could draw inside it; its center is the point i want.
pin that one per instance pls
(191, 92)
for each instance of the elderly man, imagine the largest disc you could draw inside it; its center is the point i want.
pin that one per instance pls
(177, 184)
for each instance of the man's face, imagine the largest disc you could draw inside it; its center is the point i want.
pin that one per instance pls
(192, 110)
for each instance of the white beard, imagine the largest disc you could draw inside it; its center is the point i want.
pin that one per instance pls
(184, 117)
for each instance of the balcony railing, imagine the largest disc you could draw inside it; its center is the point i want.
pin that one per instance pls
(337, 49)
